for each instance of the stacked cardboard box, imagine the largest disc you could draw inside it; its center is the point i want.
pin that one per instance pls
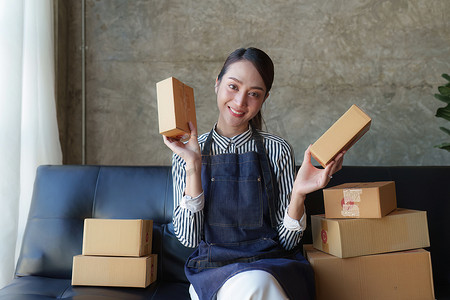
(369, 248)
(116, 253)
(394, 275)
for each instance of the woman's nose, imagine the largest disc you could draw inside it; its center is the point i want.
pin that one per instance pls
(240, 99)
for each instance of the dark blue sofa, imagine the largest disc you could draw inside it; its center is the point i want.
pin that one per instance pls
(65, 195)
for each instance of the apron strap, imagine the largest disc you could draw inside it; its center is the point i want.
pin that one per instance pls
(269, 177)
(207, 145)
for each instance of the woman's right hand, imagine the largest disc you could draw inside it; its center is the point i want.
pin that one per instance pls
(191, 154)
(190, 151)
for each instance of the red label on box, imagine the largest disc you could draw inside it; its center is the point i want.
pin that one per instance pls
(323, 234)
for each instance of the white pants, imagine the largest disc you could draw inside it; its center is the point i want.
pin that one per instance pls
(249, 285)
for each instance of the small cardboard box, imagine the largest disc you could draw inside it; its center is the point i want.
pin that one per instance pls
(360, 200)
(345, 132)
(402, 229)
(400, 275)
(114, 271)
(114, 237)
(176, 108)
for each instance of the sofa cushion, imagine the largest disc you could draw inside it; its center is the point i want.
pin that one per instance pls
(35, 287)
(40, 288)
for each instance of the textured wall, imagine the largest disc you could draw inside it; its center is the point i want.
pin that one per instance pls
(385, 56)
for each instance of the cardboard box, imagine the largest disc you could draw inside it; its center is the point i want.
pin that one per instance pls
(176, 108)
(345, 132)
(403, 275)
(114, 271)
(114, 237)
(402, 229)
(360, 200)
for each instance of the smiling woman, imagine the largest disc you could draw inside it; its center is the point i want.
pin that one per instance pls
(236, 196)
(265, 68)
(239, 97)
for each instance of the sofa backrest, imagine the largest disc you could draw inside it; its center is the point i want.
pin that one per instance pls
(64, 196)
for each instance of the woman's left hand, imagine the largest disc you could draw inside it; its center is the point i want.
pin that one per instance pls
(310, 178)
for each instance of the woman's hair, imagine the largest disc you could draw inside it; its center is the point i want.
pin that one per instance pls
(263, 65)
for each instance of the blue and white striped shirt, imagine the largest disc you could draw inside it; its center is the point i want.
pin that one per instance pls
(188, 221)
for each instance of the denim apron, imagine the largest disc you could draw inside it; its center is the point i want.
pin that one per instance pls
(239, 226)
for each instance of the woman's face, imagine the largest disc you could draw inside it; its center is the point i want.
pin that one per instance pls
(240, 95)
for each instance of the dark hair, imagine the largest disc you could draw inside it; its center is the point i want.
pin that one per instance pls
(263, 65)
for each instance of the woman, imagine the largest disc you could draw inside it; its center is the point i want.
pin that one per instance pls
(237, 198)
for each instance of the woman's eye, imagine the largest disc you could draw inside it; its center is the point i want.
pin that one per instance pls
(254, 94)
(232, 86)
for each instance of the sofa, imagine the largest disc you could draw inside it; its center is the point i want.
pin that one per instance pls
(65, 195)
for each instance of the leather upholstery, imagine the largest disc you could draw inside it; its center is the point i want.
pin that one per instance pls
(65, 195)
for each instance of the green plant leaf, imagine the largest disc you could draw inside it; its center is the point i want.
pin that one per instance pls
(444, 90)
(445, 99)
(445, 130)
(445, 146)
(444, 112)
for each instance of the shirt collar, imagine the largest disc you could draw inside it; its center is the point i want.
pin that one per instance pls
(238, 140)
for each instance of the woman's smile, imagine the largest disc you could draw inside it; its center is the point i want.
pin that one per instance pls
(235, 112)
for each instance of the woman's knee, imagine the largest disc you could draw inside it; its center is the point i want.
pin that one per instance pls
(255, 284)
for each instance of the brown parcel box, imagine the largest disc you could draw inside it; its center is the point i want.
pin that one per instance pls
(116, 237)
(402, 229)
(114, 271)
(403, 275)
(176, 108)
(360, 200)
(345, 132)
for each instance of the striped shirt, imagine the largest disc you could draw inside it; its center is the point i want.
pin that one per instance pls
(188, 215)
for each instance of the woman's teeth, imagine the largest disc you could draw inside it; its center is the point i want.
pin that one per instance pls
(236, 112)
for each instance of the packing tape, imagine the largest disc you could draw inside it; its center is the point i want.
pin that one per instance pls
(350, 203)
(186, 105)
(324, 235)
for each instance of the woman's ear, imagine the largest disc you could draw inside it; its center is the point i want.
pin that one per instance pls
(267, 97)
(216, 86)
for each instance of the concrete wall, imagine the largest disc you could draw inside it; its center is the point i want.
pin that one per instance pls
(385, 56)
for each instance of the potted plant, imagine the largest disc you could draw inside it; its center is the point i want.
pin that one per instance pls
(444, 112)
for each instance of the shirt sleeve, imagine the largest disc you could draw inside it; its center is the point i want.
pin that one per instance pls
(193, 204)
(284, 169)
(188, 212)
(293, 224)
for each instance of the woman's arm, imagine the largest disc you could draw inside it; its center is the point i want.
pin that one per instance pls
(187, 218)
(293, 191)
(188, 192)
(284, 169)
(192, 157)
